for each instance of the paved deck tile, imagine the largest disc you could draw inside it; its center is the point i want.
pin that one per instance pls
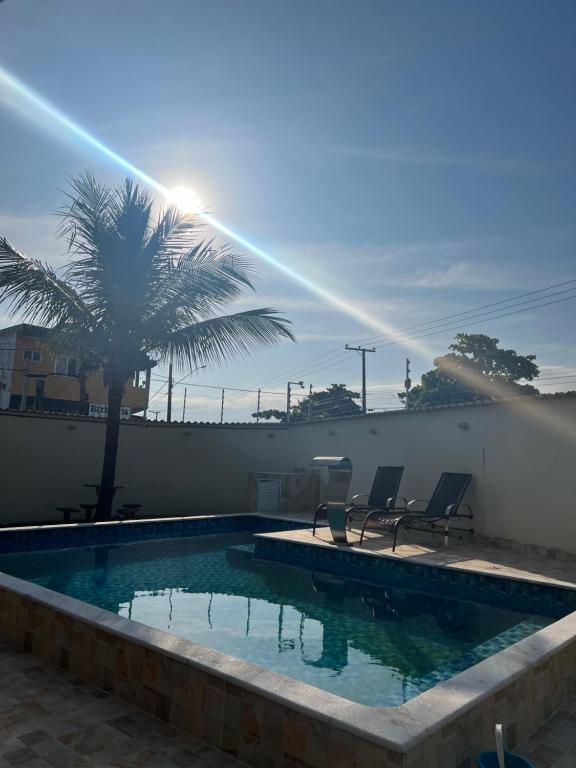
(554, 744)
(99, 730)
(49, 719)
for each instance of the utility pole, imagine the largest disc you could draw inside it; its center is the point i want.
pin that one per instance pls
(310, 403)
(184, 406)
(407, 382)
(363, 350)
(170, 388)
(147, 389)
(258, 408)
(222, 408)
(289, 395)
(24, 395)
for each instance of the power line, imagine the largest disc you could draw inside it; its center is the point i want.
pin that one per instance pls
(436, 331)
(213, 386)
(314, 362)
(473, 315)
(477, 309)
(555, 378)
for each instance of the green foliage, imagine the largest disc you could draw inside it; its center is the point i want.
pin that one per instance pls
(334, 402)
(474, 369)
(137, 289)
(271, 413)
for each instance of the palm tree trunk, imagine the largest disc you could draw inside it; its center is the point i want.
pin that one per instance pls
(82, 385)
(106, 490)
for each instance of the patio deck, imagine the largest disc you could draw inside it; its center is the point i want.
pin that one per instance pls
(50, 719)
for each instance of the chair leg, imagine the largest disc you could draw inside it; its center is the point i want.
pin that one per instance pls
(363, 531)
(317, 513)
(396, 526)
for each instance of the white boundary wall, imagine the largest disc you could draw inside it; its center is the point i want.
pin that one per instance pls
(522, 454)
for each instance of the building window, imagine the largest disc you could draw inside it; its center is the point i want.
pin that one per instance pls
(65, 366)
(32, 355)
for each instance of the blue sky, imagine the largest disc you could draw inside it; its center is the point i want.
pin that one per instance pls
(416, 158)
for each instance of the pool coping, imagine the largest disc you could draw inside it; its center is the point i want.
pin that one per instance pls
(399, 728)
(143, 521)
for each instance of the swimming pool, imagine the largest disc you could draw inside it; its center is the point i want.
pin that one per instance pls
(377, 642)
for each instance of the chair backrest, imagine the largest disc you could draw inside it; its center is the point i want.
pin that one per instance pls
(450, 490)
(386, 484)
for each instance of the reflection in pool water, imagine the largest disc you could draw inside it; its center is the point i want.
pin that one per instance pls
(372, 644)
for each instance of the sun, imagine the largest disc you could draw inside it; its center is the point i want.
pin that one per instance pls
(187, 200)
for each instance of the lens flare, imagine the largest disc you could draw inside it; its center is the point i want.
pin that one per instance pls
(43, 111)
(23, 99)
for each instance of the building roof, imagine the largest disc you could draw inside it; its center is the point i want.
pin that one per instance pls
(26, 329)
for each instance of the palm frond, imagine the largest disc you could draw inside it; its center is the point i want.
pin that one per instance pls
(86, 222)
(108, 230)
(196, 287)
(131, 210)
(174, 234)
(214, 340)
(34, 291)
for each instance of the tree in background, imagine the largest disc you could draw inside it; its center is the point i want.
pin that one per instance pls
(139, 289)
(331, 403)
(481, 356)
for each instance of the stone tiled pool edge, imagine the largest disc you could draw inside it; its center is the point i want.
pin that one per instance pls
(30, 537)
(268, 720)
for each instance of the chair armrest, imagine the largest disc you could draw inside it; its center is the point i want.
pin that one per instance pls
(358, 496)
(392, 502)
(410, 504)
(453, 510)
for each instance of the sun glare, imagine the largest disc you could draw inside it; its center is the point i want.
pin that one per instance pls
(186, 199)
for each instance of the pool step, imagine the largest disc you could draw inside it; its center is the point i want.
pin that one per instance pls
(243, 548)
(240, 555)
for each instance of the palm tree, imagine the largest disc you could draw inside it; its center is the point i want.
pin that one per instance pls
(138, 290)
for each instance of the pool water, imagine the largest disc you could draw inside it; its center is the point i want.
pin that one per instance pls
(374, 645)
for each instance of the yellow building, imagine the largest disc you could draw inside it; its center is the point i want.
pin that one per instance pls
(34, 378)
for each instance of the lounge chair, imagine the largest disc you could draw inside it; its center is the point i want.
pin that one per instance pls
(444, 505)
(383, 495)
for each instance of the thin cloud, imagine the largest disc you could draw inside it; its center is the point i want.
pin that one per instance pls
(431, 157)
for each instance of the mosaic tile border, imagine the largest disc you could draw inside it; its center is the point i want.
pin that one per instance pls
(547, 599)
(121, 532)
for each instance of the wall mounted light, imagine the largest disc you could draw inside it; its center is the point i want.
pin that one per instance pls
(464, 425)
(373, 431)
